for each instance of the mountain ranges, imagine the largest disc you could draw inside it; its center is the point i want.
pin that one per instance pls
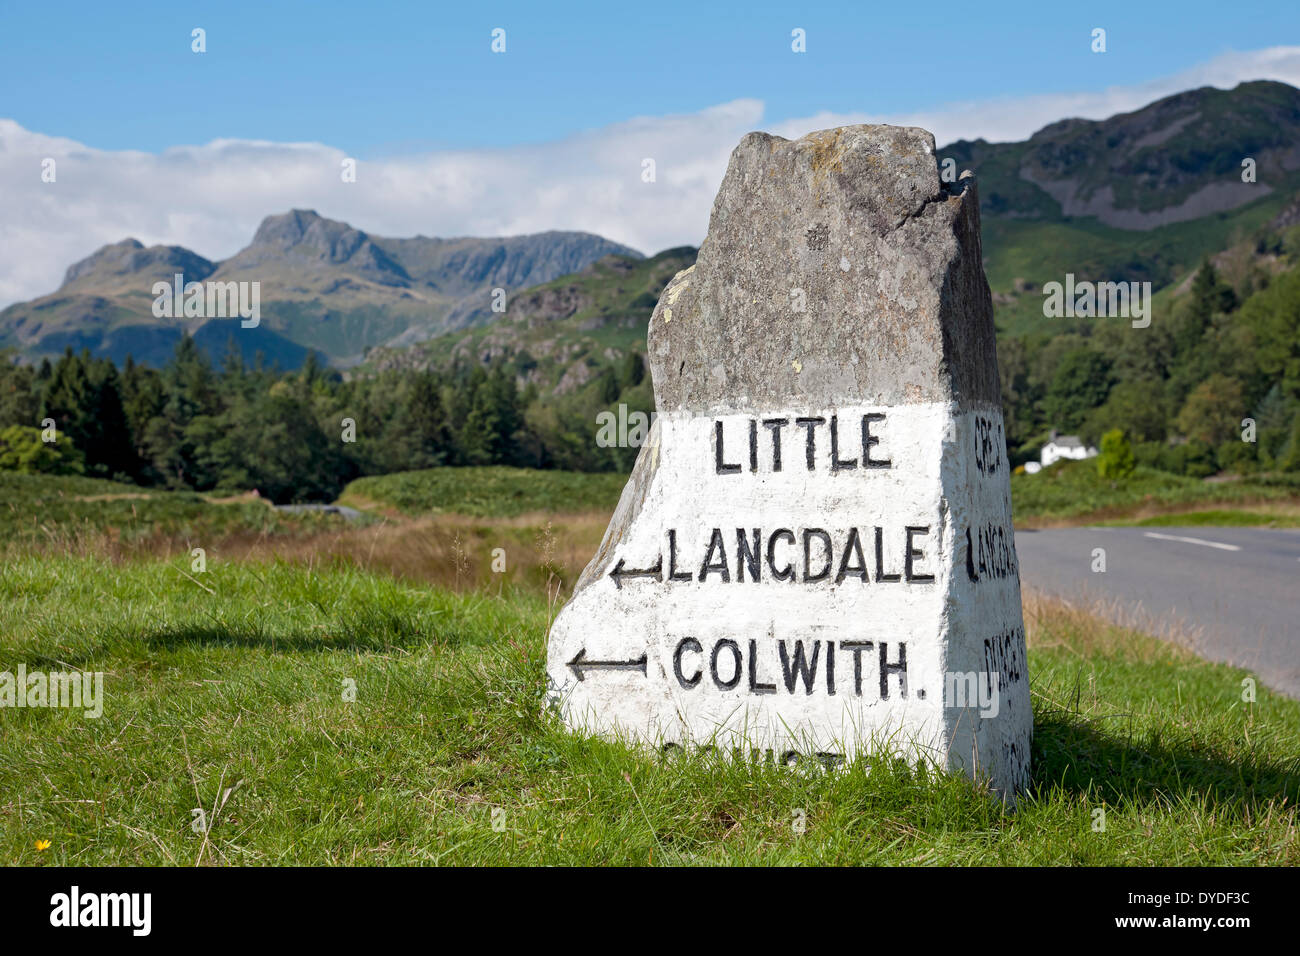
(1141, 196)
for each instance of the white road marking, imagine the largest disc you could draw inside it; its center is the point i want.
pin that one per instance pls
(1208, 544)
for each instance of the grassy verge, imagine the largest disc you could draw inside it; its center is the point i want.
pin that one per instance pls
(235, 679)
(1072, 492)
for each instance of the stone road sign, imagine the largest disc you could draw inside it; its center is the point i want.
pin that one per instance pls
(813, 558)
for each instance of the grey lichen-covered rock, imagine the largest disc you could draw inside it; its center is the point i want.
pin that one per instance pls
(813, 553)
(886, 258)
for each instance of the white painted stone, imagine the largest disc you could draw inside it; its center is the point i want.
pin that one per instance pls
(659, 647)
(942, 626)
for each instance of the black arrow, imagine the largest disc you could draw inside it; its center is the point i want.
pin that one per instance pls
(580, 663)
(656, 571)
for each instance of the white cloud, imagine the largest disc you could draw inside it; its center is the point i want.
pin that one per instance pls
(1009, 119)
(211, 197)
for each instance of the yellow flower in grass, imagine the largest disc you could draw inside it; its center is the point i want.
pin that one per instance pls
(42, 844)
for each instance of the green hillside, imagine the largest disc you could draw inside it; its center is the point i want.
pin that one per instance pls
(492, 492)
(1020, 256)
(62, 511)
(579, 320)
(1174, 160)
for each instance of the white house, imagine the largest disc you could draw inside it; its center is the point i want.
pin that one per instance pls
(1065, 446)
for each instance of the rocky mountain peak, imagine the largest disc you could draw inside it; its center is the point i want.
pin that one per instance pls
(304, 233)
(1173, 160)
(131, 260)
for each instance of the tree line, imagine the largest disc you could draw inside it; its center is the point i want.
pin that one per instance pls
(296, 435)
(1213, 384)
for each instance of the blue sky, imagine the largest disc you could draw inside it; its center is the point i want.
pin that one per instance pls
(158, 143)
(382, 78)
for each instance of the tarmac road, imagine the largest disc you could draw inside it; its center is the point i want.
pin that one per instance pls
(1238, 587)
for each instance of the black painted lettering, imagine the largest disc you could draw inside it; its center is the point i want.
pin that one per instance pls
(686, 644)
(810, 425)
(1003, 655)
(880, 559)
(836, 463)
(713, 664)
(990, 553)
(720, 565)
(786, 573)
(824, 573)
(990, 444)
(857, 647)
(869, 441)
(775, 425)
(911, 554)
(853, 548)
(887, 668)
(747, 556)
(801, 668)
(829, 759)
(722, 468)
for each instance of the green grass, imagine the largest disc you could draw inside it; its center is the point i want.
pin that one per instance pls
(54, 511)
(333, 328)
(236, 676)
(1218, 518)
(1072, 489)
(489, 492)
(1040, 249)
